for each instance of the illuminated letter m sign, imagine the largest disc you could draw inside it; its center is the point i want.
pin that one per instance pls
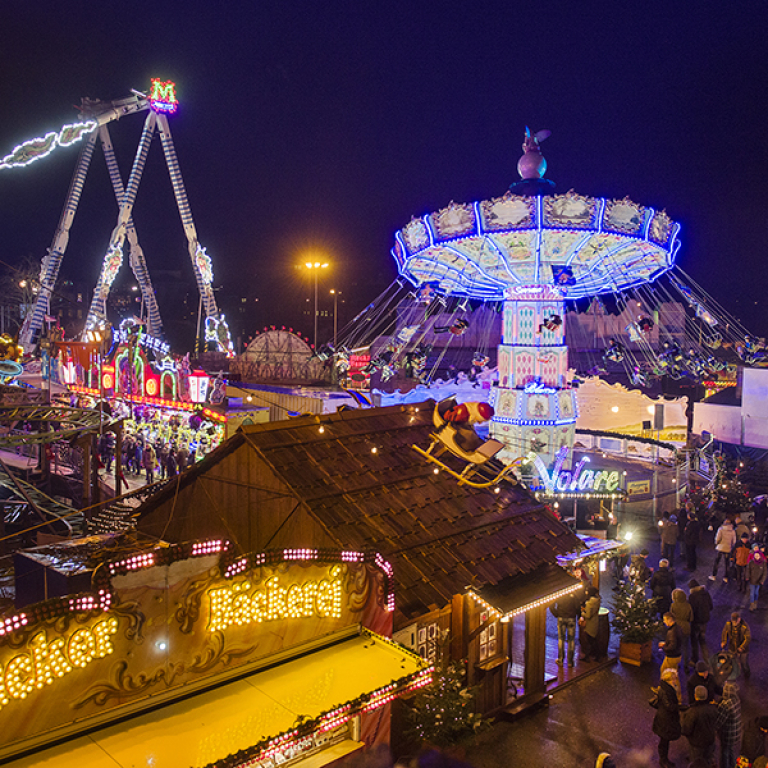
(162, 96)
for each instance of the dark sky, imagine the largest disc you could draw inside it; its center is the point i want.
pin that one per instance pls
(327, 125)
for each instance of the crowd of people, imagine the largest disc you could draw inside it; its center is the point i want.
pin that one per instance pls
(160, 460)
(698, 695)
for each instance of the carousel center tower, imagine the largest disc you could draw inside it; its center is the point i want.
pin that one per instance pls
(533, 250)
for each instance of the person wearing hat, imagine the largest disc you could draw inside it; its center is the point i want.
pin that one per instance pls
(638, 568)
(756, 572)
(729, 725)
(735, 639)
(702, 676)
(702, 606)
(698, 726)
(604, 760)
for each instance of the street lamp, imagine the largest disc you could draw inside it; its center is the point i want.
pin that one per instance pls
(336, 295)
(315, 266)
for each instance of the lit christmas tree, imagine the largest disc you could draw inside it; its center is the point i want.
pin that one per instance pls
(444, 711)
(634, 615)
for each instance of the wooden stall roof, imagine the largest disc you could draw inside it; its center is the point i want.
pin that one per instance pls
(357, 475)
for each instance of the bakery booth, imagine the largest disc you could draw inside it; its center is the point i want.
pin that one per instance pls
(195, 655)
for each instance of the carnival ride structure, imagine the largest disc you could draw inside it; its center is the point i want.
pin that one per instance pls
(539, 259)
(96, 115)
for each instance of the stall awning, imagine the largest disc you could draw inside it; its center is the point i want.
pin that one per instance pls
(209, 726)
(518, 594)
(592, 546)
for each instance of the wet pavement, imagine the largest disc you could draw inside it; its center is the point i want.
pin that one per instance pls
(608, 711)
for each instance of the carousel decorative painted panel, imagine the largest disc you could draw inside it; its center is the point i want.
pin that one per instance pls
(453, 221)
(505, 365)
(508, 213)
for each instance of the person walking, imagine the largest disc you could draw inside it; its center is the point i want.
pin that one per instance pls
(691, 536)
(755, 574)
(725, 540)
(589, 623)
(729, 725)
(672, 644)
(567, 611)
(735, 639)
(683, 613)
(741, 553)
(666, 721)
(661, 584)
(701, 605)
(669, 534)
(698, 726)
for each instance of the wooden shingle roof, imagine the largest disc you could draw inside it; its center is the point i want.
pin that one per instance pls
(362, 480)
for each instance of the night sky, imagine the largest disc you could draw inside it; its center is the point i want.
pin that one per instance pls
(324, 126)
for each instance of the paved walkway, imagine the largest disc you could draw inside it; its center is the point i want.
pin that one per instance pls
(609, 711)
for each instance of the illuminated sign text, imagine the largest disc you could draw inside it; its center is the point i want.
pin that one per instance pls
(45, 661)
(559, 481)
(239, 604)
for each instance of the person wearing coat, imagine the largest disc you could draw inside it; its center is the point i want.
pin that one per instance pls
(756, 573)
(666, 721)
(589, 624)
(728, 725)
(725, 541)
(702, 606)
(669, 534)
(661, 584)
(683, 613)
(698, 726)
(691, 536)
(735, 638)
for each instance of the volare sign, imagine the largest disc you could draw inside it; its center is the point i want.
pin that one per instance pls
(580, 479)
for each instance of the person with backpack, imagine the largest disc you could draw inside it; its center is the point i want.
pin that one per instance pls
(725, 540)
(735, 639)
(567, 611)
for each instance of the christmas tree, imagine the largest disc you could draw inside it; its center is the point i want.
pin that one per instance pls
(634, 615)
(444, 711)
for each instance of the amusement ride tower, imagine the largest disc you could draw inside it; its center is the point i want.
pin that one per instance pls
(533, 250)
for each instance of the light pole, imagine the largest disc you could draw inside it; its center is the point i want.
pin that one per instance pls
(336, 295)
(315, 266)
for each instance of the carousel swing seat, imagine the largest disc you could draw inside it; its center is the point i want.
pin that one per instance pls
(453, 433)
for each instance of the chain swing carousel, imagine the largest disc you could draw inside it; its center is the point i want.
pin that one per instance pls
(531, 251)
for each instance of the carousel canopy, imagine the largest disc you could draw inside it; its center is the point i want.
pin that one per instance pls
(582, 245)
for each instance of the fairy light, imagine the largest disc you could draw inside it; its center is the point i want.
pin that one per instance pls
(505, 617)
(35, 149)
(207, 547)
(134, 563)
